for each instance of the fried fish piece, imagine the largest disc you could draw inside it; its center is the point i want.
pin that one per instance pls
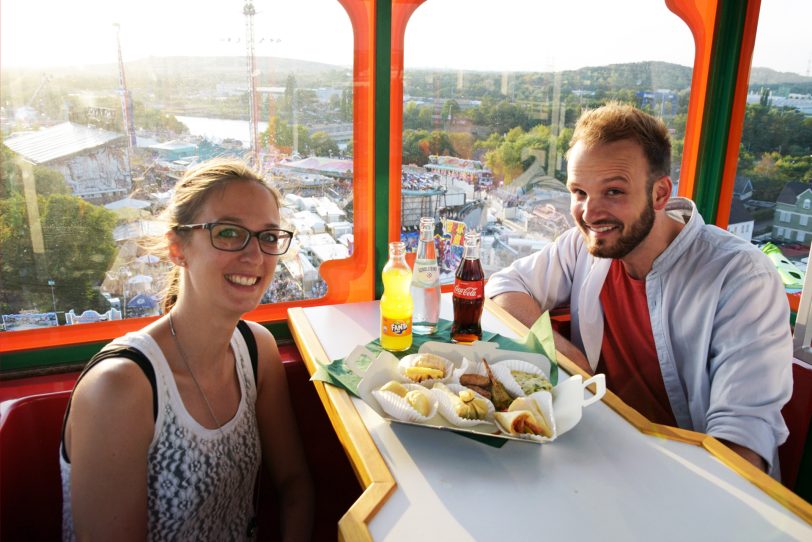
(499, 396)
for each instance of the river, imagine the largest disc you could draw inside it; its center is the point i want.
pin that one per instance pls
(216, 130)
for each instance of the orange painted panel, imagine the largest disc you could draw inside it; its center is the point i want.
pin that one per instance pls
(700, 16)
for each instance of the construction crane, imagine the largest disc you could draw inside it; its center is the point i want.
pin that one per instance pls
(126, 107)
(249, 12)
(45, 79)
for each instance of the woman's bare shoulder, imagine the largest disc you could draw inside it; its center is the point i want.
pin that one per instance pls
(114, 383)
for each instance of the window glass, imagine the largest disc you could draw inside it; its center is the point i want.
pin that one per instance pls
(774, 171)
(99, 125)
(488, 111)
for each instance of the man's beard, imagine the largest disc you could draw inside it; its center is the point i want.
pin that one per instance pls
(627, 242)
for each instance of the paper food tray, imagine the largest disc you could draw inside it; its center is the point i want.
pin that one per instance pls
(568, 396)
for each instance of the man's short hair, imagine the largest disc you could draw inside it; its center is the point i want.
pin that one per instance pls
(616, 121)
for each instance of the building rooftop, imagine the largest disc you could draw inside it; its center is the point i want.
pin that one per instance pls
(789, 194)
(58, 141)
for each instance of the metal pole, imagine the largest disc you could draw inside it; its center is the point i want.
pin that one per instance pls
(51, 283)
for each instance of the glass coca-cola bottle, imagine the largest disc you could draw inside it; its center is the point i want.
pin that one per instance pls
(469, 293)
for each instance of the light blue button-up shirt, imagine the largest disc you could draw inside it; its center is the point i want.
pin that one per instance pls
(719, 315)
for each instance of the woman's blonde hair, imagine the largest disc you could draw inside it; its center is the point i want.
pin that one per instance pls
(191, 194)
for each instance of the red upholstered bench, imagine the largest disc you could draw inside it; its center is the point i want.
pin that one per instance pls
(30, 487)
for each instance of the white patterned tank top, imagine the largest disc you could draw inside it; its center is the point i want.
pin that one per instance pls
(200, 481)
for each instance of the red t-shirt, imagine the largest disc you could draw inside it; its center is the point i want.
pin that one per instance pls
(628, 355)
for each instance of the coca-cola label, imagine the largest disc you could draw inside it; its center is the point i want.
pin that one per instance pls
(469, 289)
(426, 273)
(396, 327)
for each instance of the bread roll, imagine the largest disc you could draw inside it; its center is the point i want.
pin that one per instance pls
(419, 402)
(431, 361)
(395, 387)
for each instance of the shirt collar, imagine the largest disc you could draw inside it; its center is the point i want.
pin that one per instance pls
(685, 210)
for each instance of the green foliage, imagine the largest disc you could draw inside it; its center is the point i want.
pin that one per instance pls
(49, 181)
(280, 134)
(321, 144)
(499, 117)
(412, 151)
(79, 247)
(17, 266)
(509, 156)
(768, 129)
(9, 173)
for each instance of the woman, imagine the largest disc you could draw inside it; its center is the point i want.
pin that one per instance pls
(178, 459)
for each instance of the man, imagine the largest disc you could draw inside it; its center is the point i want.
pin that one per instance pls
(689, 323)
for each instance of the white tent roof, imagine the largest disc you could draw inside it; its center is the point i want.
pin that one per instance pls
(57, 141)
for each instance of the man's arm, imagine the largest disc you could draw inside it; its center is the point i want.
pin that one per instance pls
(525, 309)
(747, 454)
(750, 364)
(520, 305)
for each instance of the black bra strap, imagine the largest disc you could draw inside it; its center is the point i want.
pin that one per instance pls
(251, 343)
(130, 353)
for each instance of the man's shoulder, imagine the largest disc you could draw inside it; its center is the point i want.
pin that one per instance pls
(715, 244)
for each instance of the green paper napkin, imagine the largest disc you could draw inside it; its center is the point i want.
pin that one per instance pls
(539, 341)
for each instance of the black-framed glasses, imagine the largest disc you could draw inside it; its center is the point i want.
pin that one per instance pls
(233, 237)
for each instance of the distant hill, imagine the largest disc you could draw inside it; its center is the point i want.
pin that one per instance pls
(643, 75)
(227, 65)
(188, 67)
(767, 76)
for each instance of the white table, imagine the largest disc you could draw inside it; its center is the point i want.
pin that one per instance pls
(603, 480)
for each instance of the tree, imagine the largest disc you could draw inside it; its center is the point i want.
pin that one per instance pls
(17, 266)
(463, 144)
(321, 144)
(451, 109)
(79, 247)
(9, 172)
(506, 155)
(290, 97)
(413, 153)
(49, 181)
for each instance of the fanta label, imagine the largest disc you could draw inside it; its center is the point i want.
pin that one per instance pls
(469, 289)
(396, 327)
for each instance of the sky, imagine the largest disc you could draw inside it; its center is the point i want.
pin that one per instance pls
(520, 35)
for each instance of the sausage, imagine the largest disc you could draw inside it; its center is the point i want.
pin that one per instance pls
(471, 379)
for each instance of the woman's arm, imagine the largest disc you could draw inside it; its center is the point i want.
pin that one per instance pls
(107, 439)
(282, 450)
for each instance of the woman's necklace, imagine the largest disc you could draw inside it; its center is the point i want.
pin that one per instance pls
(188, 368)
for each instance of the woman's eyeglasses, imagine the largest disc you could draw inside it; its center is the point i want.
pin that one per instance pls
(233, 238)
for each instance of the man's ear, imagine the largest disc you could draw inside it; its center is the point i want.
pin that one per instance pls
(661, 192)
